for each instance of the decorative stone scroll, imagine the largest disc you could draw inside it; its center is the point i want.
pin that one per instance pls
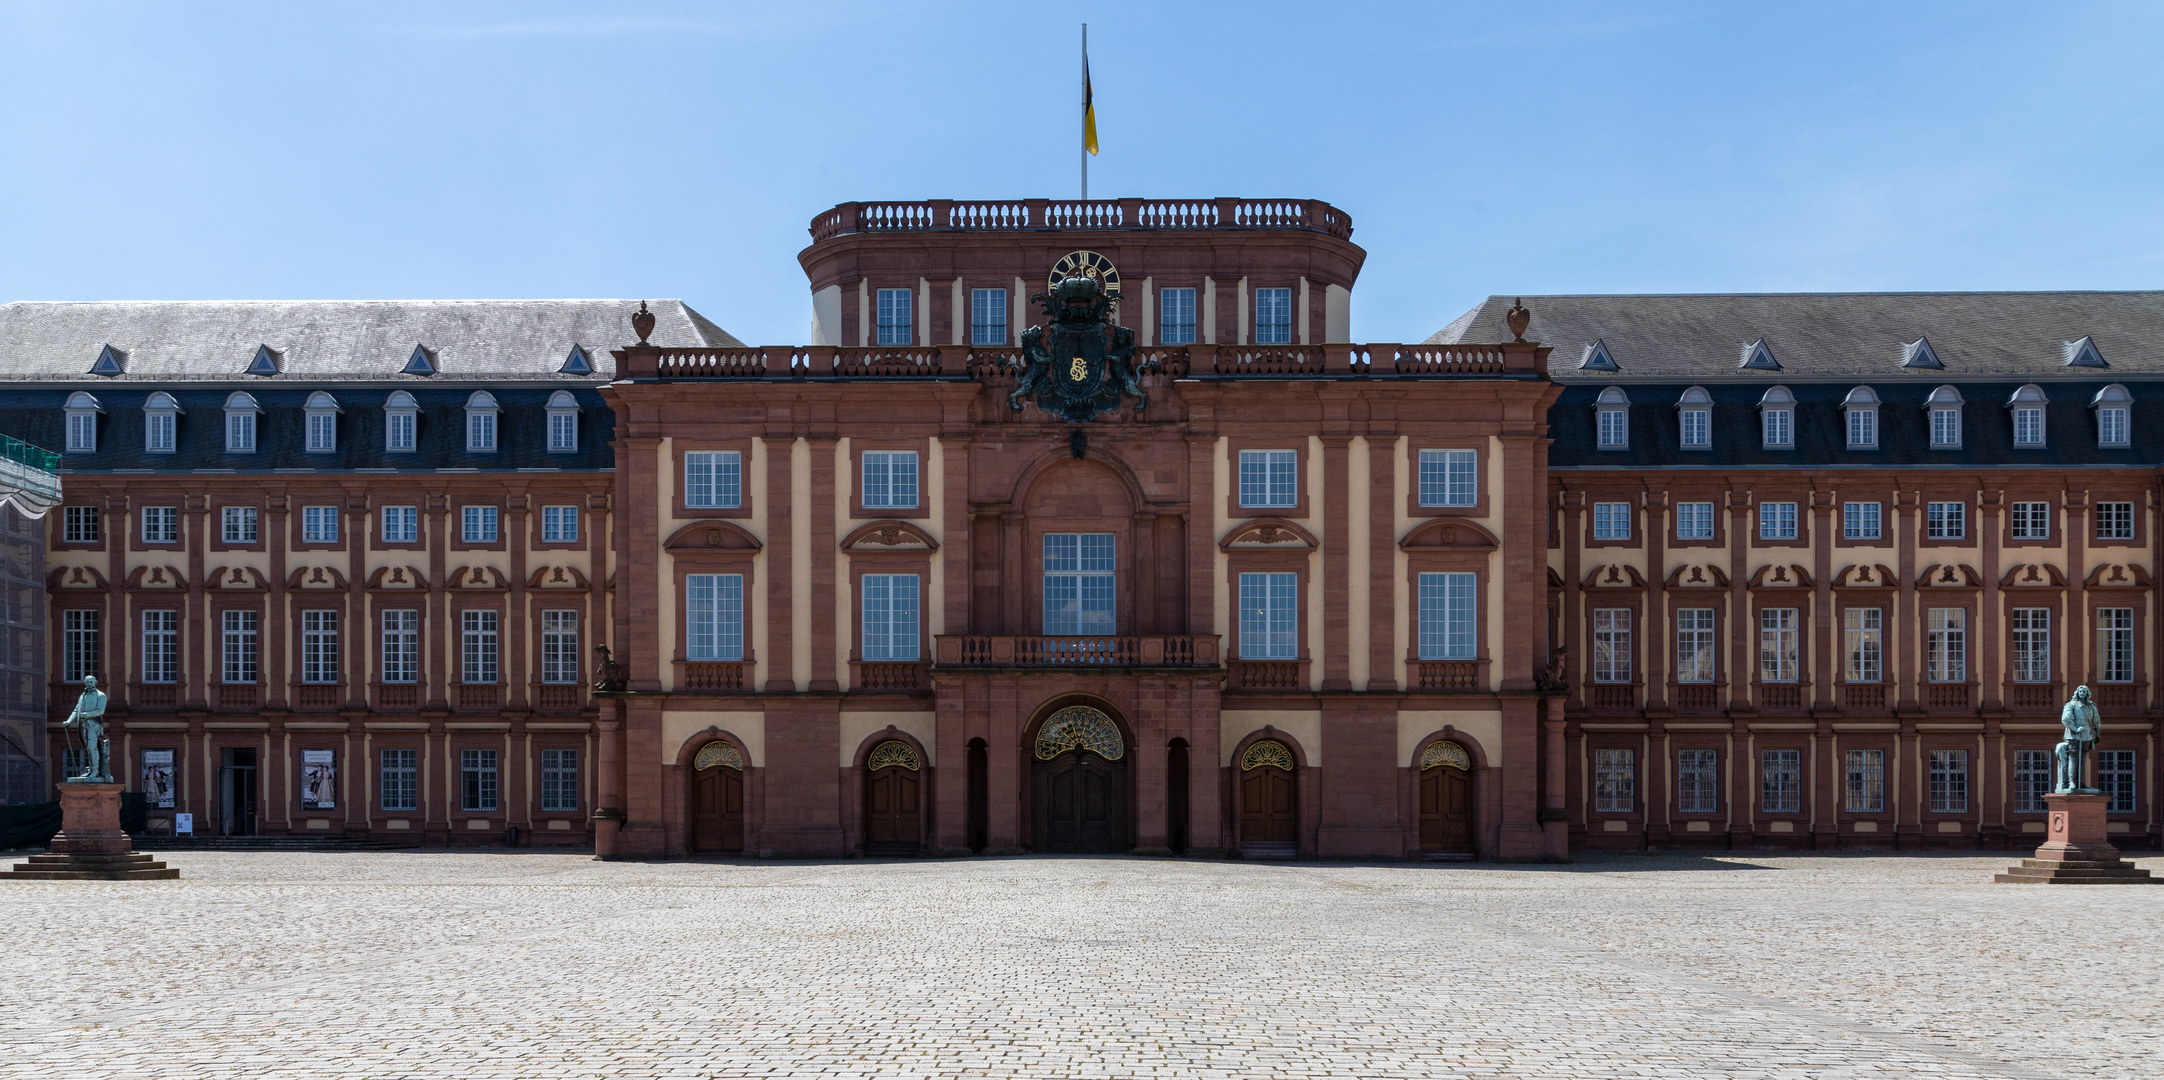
(717, 753)
(1079, 727)
(1445, 752)
(891, 753)
(1267, 752)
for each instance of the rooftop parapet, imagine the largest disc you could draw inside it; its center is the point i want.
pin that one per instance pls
(1012, 215)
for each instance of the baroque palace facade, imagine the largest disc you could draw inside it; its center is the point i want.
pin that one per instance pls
(1729, 571)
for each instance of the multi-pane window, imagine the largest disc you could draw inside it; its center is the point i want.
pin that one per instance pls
(563, 430)
(2032, 521)
(1078, 569)
(987, 316)
(1273, 316)
(1864, 791)
(1615, 781)
(1945, 428)
(477, 780)
(1777, 521)
(1611, 521)
(161, 646)
(714, 616)
(79, 525)
(161, 524)
(1946, 521)
(559, 524)
(1863, 653)
(1694, 521)
(1611, 645)
(1449, 606)
(714, 479)
(398, 779)
(1697, 428)
(319, 646)
(1176, 317)
(1949, 781)
(322, 431)
(1862, 428)
(237, 651)
(890, 617)
(2111, 425)
(2028, 426)
(477, 646)
(401, 646)
(158, 431)
(481, 430)
(398, 425)
(1270, 616)
(2115, 777)
(2032, 780)
(1270, 478)
(238, 524)
(477, 524)
(78, 645)
(2115, 644)
(1780, 780)
(82, 431)
(1613, 429)
(2032, 645)
(1698, 781)
(2115, 521)
(559, 780)
(240, 432)
(559, 646)
(1778, 658)
(401, 524)
(895, 310)
(890, 479)
(1449, 478)
(1694, 645)
(319, 524)
(1946, 645)
(1777, 428)
(1860, 521)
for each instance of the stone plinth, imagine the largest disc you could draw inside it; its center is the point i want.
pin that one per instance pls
(91, 846)
(2076, 849)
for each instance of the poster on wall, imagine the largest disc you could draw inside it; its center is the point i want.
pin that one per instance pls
(158, 779)
(319, 779)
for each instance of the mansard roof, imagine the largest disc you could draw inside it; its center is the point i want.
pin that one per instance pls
(1835, 335)
(323, 341)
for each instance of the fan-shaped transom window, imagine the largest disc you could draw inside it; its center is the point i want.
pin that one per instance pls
(893, 753)
(1443, 752)
(719, 753)
(1080, 727)
(1267, 752)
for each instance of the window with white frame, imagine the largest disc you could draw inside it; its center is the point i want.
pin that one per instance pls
(1269, 478)
(563, 418)
(319, 646)
(161, 423)
(2032, 645)
(79, 525)
(477, 780)
(2032, 521)
(1777, 419)
(398, 779)
(1779, 660)
(1694, 645)
(1176, 317)
(1615, 781)
(240, 417)
(401, 646)
(401, 524)
(2114, 407)
(2032, 780)
(237, 647)
(1270, 617)
(559, 646)
(1946, 521)
(1611, 645)
(161, 524)
(78, 644)
(2115, 521)
(714, 479)
(1777, 521)
(1780, 781)
(1694, 521)
(1612, 419)
(1860, 521)
(714, 616)
(1949, 781)
(891, 611)
(1861, 406)
(1694, 418)
(1449, 613)
(2027, 405)
(322, 423)
(1863, 645)
(1698, 788)
(319, 524)
(161, 647)
(82, 419)
(890, 479)
(1449, 478)
(2115, 644)
(477, 650)
(239, 524)
(559, 524)
(1273, 316)
(477, 524)
(1078, 584)
(481, 412)
(1864, 790)
(559, 781)
(987, 316)
(401, 422)
(1611, 521)
(2115, 778)
(1944, 408)
(895, 311)
(1946, 645)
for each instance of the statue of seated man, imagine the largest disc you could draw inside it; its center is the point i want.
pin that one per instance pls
(89, 715)
(2082, 726)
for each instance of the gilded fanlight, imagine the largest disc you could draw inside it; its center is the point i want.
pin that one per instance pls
(717, 753)
(1445, 752)
(1080, 727)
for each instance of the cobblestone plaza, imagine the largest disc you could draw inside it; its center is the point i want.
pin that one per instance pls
(483, 963)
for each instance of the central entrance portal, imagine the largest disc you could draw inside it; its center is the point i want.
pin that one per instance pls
(1078, 784)
(717, 798)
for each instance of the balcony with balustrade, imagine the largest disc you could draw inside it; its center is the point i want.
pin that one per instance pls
(1072, 215)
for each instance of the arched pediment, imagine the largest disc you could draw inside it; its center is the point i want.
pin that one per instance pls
(890, 534)
(1268, 534)
(712, 534)
(157, 577)
(1450, 534)
(2119, 576)
(315, 577)
(1044, 481)
(557, 577)
(75, 577)
(236, 577)
(1697, 575)
(477, 577)
(1865, 576)
(1781, 576)
(398, 577)
(1615, 576)
(1954, 575)
(2033, 575)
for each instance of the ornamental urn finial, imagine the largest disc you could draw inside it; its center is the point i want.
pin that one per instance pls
(642, 321)
(1517, 318)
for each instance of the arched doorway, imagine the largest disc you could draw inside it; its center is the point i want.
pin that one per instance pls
(1446, 799)
(893, 799)
(1078, 784)
(1269, 802)
(717, 798)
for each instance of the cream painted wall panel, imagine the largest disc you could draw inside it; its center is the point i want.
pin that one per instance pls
(934, 596)
(959, 306)
(800, 568)
(665, 492)
(1303, 726)
(827, 316)
(845, 629)
(864, 313)
(1336, 314)
(677, 728)
(1317, 522)
(1401, 593)
(859, 726)
(1209, 312)
(762, 565)
(1304, 314)
(1221, 607)
(1496, 647)
(1241, 321)
(1148, 314)
(1485, 728)
(1359, 530)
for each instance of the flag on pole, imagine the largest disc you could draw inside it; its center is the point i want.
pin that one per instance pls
(1089, 106)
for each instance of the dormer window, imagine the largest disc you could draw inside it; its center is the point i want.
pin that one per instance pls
(82, 412)
(563, 423)
(481, 412)
(2114, 411)
(1612, 419)
(2082, 353)
(1777, 419)
(110, 362)
(1861, 405)
(401, 421)
(577, 363)
(161, 423)
(1944, 405)
(2027, 405)
(240, 420)
(1757, 357)
(1920, 354)
(267, 361)
(1695, 415)
(422, 362)
(323, 413)
(1597, 358)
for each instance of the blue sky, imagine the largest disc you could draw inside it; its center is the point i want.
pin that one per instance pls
(168, 151)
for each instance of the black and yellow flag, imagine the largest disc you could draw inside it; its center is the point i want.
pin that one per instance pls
(1089, 106)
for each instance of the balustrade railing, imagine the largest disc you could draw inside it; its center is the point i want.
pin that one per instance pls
(480, 696)
(398, 695)
(2116, 696)
(713, 675)
(560, 696)
(1698, 697)
(1946, 695)
(1615, 696)
(1447, 675)
(1270, 360)
(2033, 696)
(317, 696)
(157, 696)
(944, 214)
(1780, 696)
(1269, 674)
(1864, 695)
(890, 675)
(996, 365)
(237, 695)
(1172, 650)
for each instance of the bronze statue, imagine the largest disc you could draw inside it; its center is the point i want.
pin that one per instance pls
(1078, 365)
(2083, 726)
(608, 674)
(89, 715)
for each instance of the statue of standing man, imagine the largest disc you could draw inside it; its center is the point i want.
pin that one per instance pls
(2082, 726)
(89, 715)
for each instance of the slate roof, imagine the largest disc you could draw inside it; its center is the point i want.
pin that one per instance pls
(331, 341)
(1848, 336)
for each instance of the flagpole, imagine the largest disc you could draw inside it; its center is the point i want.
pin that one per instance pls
(1085, 112)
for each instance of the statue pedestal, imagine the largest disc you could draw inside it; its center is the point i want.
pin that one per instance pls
(91, 846)
(2077, 849)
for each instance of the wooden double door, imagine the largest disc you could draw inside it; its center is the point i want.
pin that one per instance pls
(893, 811)
(1269, 808)
(717, 809)
(1446, 810)
(1078, 804)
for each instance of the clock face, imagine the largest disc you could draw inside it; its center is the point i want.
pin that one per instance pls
(1087, 264)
